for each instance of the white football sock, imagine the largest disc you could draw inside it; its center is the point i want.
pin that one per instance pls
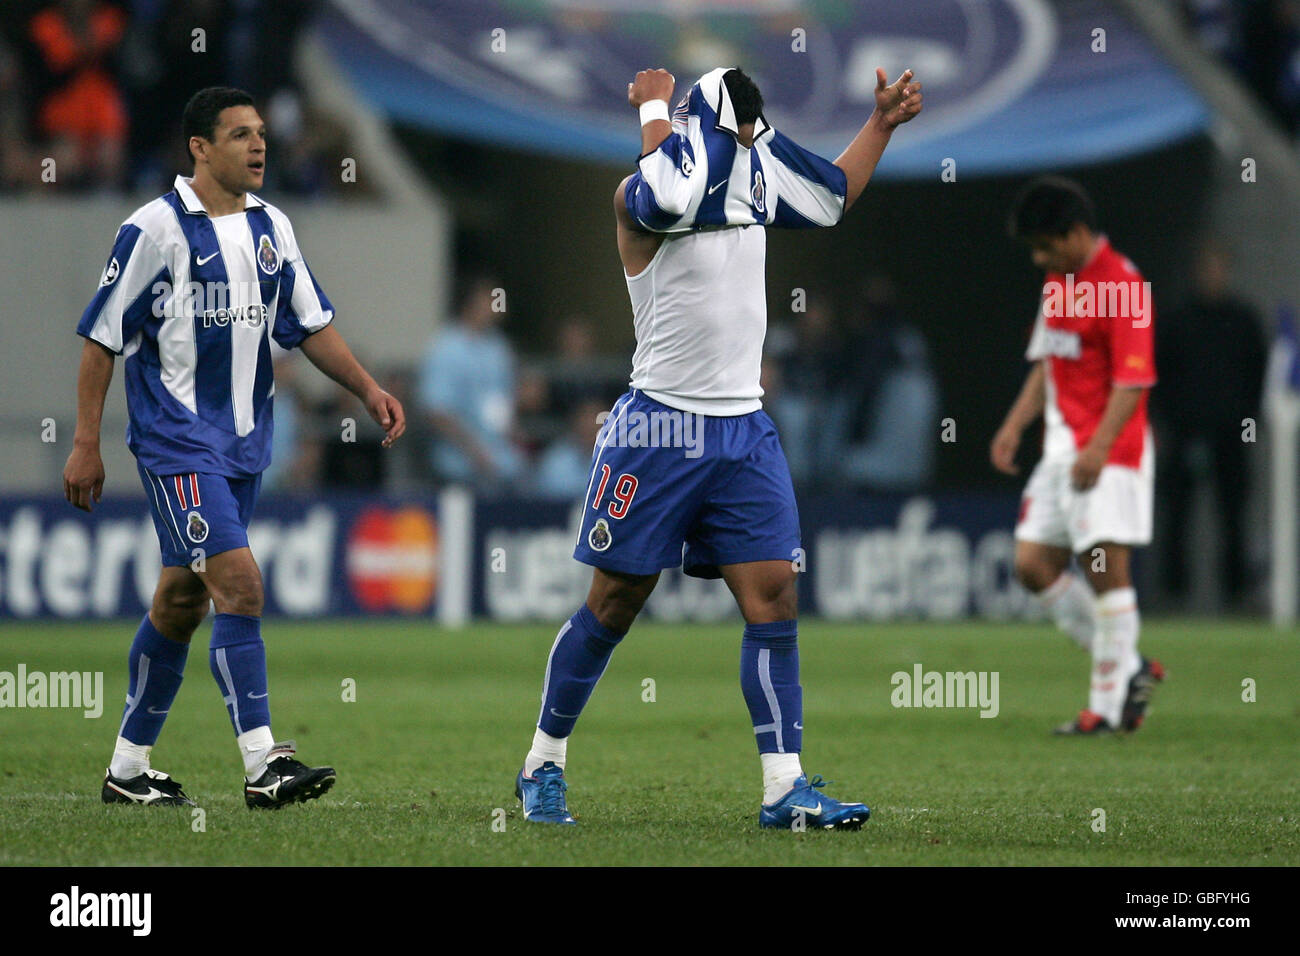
(129, 760)
(545, 747)
(779, 774)
(254, 745)
(1073, 606)
(1114, 653)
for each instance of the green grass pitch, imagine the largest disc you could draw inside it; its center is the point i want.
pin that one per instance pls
(428, 752)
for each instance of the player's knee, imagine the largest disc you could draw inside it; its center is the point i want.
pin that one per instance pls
(617, 609)
(1034, 573)
(240, 592)
(617, 600)
(177, 614)
(773, 600)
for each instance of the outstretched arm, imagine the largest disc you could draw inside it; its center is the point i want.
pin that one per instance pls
(895, 105)
(329, 353)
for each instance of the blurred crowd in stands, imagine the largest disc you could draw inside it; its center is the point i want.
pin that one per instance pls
(99, 85)
(1260, 40)
(852, 393)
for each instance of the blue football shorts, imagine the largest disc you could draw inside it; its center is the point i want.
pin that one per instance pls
(670, 488)
(199, 515)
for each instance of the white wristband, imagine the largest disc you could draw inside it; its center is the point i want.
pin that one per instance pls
(652, 110)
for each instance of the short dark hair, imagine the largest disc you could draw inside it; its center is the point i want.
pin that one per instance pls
(745, 97)
(204, 108)
(1050, 206)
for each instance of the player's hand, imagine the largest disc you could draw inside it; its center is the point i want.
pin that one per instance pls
(388, 414)
(1003, 448)
(650, 85)
(898, 102)
(1087, 467)
(83, 476)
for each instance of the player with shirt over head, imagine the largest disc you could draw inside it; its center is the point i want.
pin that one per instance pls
(1090, 495)
(197, 285)
(691, 230)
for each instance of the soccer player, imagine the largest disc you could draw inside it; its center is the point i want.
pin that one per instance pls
(690, 225)
(1090, 494)
(198, 283)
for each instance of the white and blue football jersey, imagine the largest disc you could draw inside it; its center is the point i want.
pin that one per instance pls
(701, 175)
(192, 302)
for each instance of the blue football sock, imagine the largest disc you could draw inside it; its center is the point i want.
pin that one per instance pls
(156, 666)
(238, 660)
(769, 679)
(578, 658)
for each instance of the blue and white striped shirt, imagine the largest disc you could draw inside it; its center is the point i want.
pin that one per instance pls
(701, 176)
(192, 302)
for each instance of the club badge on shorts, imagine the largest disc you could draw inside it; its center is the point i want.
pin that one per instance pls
(197, 528)
(600, 539)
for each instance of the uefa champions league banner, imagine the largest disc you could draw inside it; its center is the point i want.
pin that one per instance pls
(873, 558)
(1010, 85)
(450, 558)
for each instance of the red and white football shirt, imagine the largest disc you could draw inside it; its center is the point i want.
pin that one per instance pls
(1095, 330)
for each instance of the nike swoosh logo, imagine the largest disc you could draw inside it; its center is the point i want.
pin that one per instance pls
(798, 726)
(200, 262)
(716, 186)
(252, 696)
(563, 716)
(811, 811)
(152, 711)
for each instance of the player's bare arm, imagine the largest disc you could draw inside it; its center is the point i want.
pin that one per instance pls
(896, 104)
(83, 475)
(1024, 412)
(329, 353)
(1092, 457)
(637, 246)
(650, 85)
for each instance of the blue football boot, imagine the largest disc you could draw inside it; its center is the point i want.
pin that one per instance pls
(543, 795)
(806, 802)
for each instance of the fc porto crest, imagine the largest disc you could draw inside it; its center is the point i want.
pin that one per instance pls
(196, 528)
(268, 260)
(758, 193)
(600, 539)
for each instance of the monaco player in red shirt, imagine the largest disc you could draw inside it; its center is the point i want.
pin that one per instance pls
(1090, 494)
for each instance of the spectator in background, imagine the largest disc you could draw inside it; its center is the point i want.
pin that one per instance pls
(893, 396)
(467, 390)
(1212, 355)
(564, 468)
(80, 109)
(810, 407)
(17, 162)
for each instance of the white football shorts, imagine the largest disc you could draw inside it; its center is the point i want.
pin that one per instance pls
(1118, 508)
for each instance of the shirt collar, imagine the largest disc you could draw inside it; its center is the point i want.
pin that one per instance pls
(191, 203)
